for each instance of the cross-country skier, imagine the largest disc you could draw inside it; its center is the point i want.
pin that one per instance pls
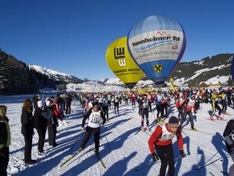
(96, 118)
(215, 97)
(159, 107)
(144, 112)
(160, 145)
(228, 135)
(189, 106)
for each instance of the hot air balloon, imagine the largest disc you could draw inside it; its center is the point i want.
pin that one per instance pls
(232, 67)
(157, 44)
(121, 63)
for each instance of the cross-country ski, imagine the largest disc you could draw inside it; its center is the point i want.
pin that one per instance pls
(69, 158)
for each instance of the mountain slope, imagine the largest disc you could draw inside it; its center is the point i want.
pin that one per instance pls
(55, 75)
(194, 72)
(19, 78)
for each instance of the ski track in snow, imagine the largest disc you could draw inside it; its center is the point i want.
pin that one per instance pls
(123, 148)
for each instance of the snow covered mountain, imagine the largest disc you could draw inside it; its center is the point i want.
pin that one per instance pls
(16, 77)
(19, 78)
(55, 75)
(208, 70)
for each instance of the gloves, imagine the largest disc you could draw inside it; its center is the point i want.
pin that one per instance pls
(155, 157)
(183, 155)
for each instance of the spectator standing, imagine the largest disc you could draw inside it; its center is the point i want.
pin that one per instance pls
(27, 130)
(68, 100)
(5, 140)
(52, 123)
(40, 123)
(116, 104)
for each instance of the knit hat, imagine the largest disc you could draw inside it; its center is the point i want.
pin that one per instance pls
(173, 122)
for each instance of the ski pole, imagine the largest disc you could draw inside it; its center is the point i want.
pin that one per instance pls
(211, 173)
(69, 158)
(106, 139)
(207, 164)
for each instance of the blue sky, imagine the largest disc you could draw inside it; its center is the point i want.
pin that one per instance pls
(72, 36)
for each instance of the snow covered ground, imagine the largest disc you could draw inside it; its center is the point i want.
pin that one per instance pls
(123, 148)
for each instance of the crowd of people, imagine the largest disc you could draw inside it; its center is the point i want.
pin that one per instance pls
(39, 113)
(187, 103)
(43, 113)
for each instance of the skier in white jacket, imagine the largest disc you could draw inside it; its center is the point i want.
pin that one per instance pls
(96, 118)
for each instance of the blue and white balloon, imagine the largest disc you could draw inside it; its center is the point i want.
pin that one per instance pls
(157, 44)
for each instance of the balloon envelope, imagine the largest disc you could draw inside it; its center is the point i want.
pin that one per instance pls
(121, 63)
(232, 67)
(157, 45)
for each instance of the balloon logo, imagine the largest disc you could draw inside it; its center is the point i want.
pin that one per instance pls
(157, 44)
(121, 63)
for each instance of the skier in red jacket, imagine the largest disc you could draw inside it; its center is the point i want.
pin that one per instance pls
(160, 145)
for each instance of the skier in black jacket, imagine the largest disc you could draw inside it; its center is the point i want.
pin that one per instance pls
(40, 123)
(228, 135)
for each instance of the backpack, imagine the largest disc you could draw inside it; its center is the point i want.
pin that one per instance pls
(56, 113)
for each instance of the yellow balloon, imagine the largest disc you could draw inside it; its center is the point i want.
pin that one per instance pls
(121, 63)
